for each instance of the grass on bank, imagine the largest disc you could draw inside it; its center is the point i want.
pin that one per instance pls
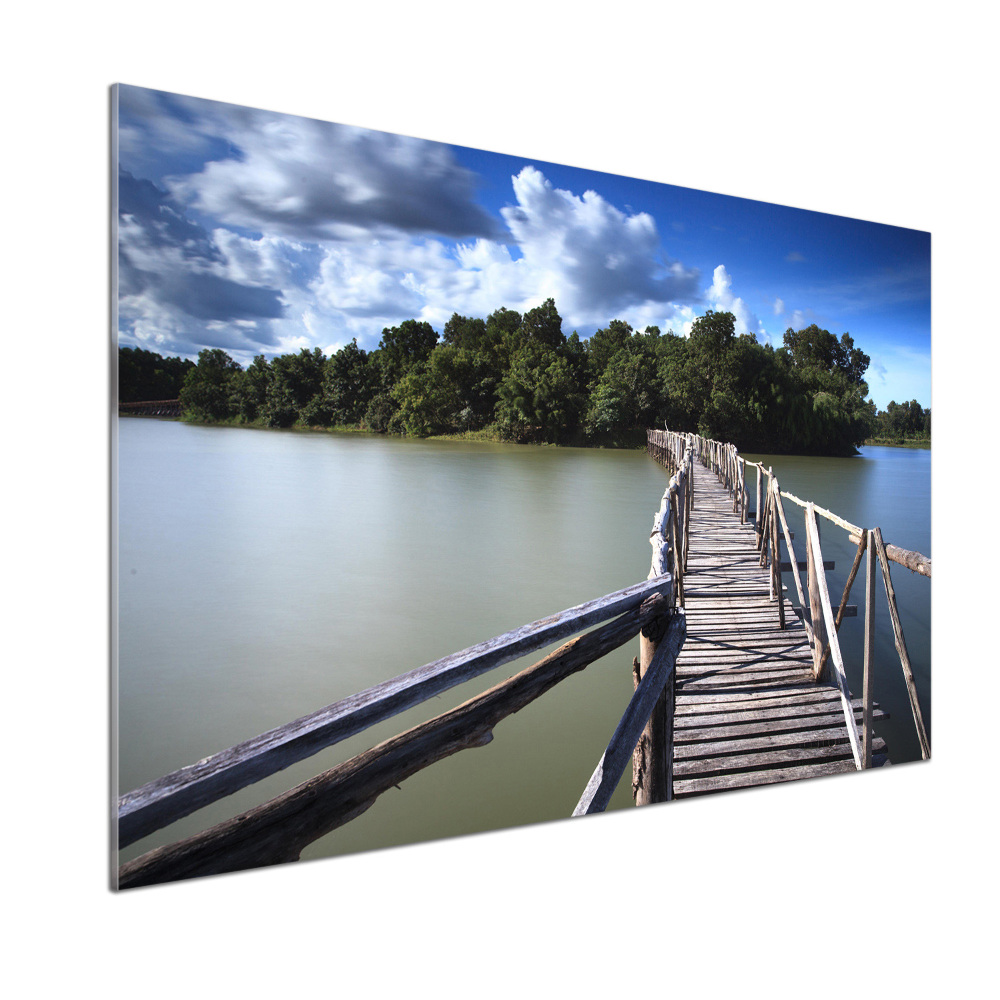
(900, 442)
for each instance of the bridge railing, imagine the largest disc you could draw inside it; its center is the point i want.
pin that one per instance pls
(278, 830)
(151, 408)
(815, 607)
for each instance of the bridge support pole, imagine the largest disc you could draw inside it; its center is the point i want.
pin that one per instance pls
(820, 637)
(652, 778)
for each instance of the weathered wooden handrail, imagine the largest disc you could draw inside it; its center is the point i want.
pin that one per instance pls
(652, 767)
(161, 802)
(913, 561)
(277, 831)
(823, 512)
(616, 757)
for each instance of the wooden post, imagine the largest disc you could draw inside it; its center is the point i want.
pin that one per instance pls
(689, 501)
(904, 659)
(847, 589)
(650, 760)
(866, 712)
(758, 512)
(776, 557)
(815, 605)
(675, 545)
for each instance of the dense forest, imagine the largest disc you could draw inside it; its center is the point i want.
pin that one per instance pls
(517, 377)
(145, 375)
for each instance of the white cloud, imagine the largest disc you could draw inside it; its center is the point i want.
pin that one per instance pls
(596, 262)
(720, 295)
(779, 307)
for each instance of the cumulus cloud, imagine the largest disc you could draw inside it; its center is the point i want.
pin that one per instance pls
(596, 261)
(720, 295)
(779, 307)
(588, 254)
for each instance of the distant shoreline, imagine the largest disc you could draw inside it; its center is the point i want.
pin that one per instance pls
(905, 443)
(485, 435)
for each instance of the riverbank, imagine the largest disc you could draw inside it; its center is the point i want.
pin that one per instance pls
(631, 441)
(900, 442)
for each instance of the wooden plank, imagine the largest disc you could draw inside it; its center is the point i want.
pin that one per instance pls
(762, 759)
(764, 741)
(750, 779)
(719, 703)
(828, 564)
(715, 733)
(741, 716)
(277, 831)
(167, 799)
(618, 753)
(694, 699)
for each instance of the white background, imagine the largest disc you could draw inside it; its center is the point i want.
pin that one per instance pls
(883, 883)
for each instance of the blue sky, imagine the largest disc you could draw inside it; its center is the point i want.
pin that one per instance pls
(264, 233)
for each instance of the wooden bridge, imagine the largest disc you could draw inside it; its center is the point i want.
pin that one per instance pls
(734, 685)
(151, 408)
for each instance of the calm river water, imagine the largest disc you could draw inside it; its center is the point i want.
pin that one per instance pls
(265, 574)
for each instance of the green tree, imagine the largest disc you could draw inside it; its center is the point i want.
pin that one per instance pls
(539, 398)
(403, 347)
(427, 401)
(250, 388)
(145, 375)
(464, 332)
(627, 399)
(295, 380)
(543, 325)
(350, 382)
(604, 345)
(206, 393)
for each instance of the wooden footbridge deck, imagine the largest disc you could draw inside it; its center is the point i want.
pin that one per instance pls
(734, 685)
(748, 710)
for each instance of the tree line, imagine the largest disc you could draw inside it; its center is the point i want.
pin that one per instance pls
(899, 423)
(517, 377)
(145, 375)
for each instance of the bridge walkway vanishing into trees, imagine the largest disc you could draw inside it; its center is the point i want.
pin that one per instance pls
(733, 685)
(747, 709)
(760, 695)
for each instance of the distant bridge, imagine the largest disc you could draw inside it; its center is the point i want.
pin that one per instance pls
(151, 408)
